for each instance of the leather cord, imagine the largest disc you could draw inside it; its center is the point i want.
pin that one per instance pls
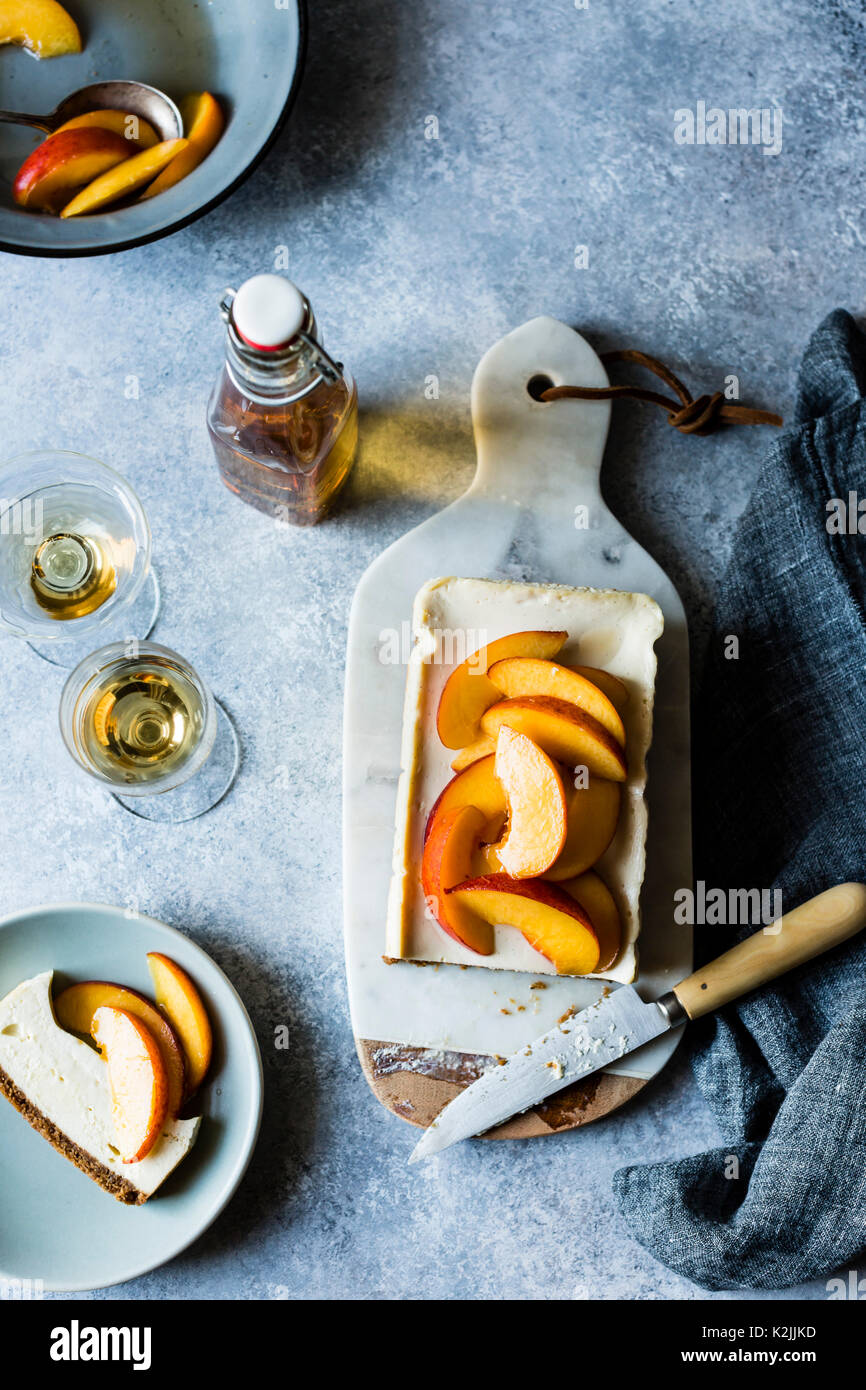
(688, 414)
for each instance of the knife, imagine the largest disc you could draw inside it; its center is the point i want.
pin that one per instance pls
(621, 1022)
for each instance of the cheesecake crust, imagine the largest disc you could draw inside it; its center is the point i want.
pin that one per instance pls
(120, 1188)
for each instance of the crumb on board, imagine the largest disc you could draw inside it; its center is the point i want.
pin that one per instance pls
(538, 984)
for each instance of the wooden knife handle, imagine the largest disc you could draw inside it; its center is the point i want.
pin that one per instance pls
(800, 935)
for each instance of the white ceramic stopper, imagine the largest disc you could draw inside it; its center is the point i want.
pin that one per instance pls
(268, 311)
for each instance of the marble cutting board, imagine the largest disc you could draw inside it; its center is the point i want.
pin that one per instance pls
(424, 1032)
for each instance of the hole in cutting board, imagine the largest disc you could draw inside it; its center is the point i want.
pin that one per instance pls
(537, 385)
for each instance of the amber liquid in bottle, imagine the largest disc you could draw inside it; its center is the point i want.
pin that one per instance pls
(283, 417)
(289, 458)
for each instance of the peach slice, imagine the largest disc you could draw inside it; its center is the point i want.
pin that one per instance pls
(446, 862)
(594, 896)
(531, 676)
(136, 1075)
(127, 178)
(537, 807)
(593, 813)
(63, 163)
(75, 1007)
(468, 692)
(42, 26)
(203, 125)
(485, 861)
(611, 686)
(564, 732)
(551, 920)
(134, 129)
(178, 997)
(477, 785)
(472, 752)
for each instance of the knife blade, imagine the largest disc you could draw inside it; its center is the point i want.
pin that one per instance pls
(618, 1023)
(574, 1049)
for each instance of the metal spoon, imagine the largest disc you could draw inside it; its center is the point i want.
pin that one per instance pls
(136, 98)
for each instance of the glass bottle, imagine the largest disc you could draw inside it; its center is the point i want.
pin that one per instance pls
(283, 416)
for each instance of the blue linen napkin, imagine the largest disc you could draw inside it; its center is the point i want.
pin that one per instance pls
(778, 766)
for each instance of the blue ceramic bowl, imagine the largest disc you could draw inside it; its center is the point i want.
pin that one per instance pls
(58, 1229)
(249, 54)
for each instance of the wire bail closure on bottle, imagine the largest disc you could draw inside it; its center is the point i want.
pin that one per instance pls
(327, 366)
(331, 370)
(226, 303)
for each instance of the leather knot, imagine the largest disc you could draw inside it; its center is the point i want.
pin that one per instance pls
(700, 416)
(688, 414)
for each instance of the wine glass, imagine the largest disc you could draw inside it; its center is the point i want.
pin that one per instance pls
(138, 717)
(74, 555)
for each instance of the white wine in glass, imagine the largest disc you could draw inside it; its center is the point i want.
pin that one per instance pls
(145, 725)
(71, 575)
(74, 555)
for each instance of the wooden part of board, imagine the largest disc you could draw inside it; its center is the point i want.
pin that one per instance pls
(417, 1084)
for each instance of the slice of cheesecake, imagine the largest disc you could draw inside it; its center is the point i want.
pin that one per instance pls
(453, 617)
(60, 1085)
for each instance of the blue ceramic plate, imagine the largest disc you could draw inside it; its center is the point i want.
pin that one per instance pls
(249, 55)
(56, 1225)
